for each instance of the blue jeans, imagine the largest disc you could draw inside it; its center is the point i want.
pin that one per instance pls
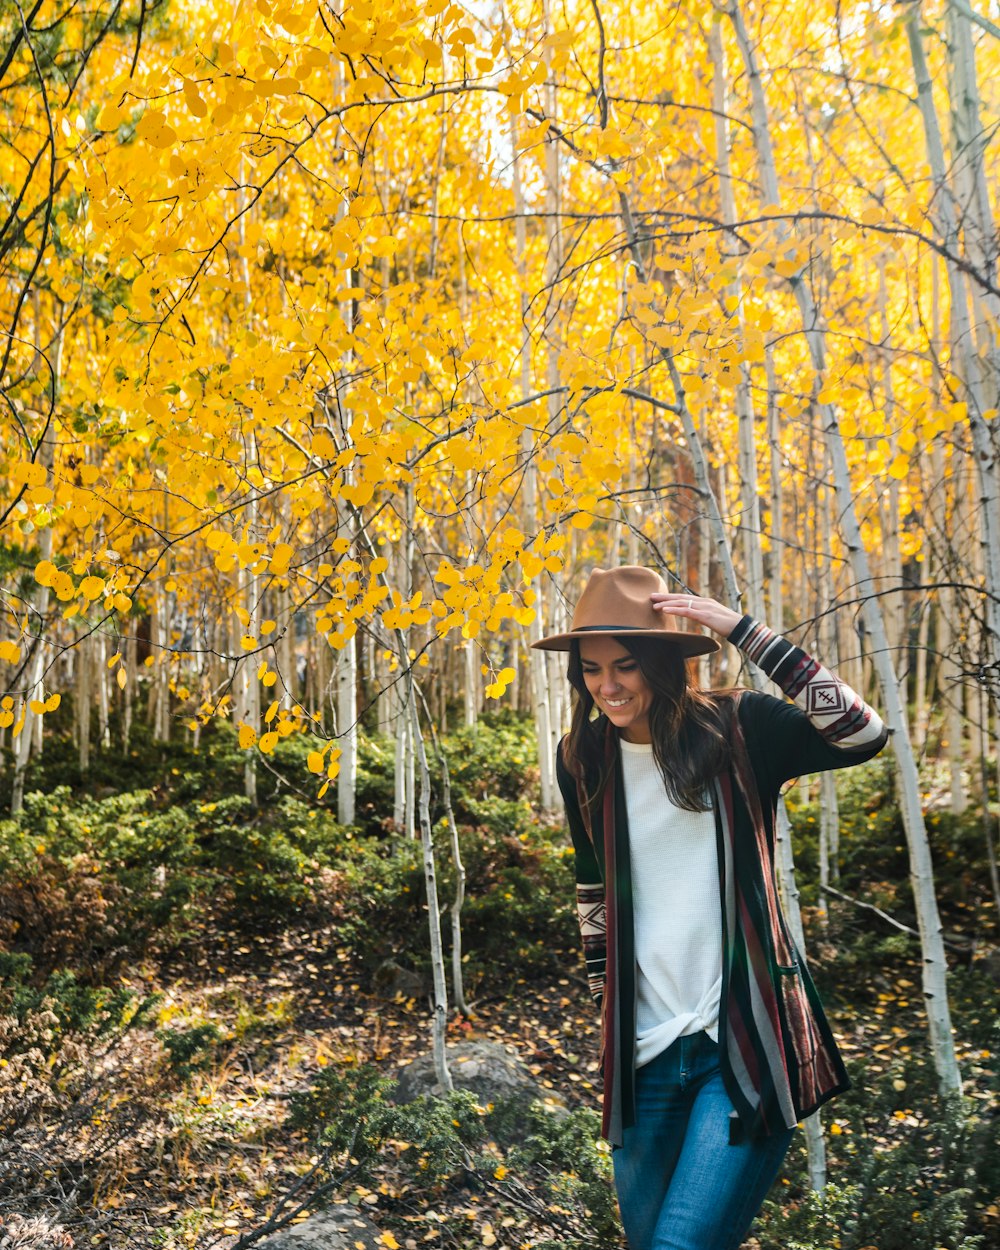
(681, 1185)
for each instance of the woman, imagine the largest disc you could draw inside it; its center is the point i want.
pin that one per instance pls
(714, 1041)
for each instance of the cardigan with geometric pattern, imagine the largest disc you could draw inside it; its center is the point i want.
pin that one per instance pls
(778, 1057)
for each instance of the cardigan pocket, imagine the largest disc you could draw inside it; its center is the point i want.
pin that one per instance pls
(800, 1024)
(798, 1017)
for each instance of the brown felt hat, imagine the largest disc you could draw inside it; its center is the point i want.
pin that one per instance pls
(617, 601)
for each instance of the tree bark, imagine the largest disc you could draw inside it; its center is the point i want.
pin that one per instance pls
(440, 1000)
(921, 868)
(978, 368)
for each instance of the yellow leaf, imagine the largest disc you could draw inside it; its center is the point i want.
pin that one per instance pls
(271, 713)
(248, 736)
(121, 678)
(196, 105)
(389, 1241)
(899, 467)
(10, 652)
(314, 762)
(92, 587)
(268, 742)
(281, 558)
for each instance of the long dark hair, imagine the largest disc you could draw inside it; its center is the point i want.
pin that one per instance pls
(687, 725)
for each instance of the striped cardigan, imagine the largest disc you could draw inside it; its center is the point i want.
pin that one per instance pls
(778, 1057)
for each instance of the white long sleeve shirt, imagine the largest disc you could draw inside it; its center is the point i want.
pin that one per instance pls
(677, 918)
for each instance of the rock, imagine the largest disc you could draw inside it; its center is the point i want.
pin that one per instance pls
(391, 980)
(493, 1073)
(339, 1227)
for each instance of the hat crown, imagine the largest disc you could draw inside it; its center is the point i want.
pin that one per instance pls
(617, 601)
(620, 599)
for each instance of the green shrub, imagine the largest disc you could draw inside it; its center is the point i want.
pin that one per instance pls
(518, 914)
(72, 1006)
(909, 1170)
(568, 1152)
(453, 1141)
(190, 1050)
(496, 759)
(520, 907)
(88, 883)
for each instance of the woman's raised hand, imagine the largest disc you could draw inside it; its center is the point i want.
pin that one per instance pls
(705, 612)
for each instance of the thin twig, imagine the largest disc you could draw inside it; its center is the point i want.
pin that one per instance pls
(602, 93)
(898, 924)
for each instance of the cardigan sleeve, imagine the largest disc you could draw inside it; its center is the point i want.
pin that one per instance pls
(590, 904)
(826, 725)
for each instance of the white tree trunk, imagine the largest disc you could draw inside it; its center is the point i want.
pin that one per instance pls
(401, 737)
(470, 686)
(977, 364)
(776, 601)
(84, 656)
(45, 457)
(440, 1001)
(131, 681)
(538, 668)
(34, 685)
(347, 731)
(750, 525)
(921, 868)
(457, 977)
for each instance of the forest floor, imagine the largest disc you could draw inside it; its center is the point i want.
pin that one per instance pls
(212, 1160)
(192, 1069)
(218, 1155)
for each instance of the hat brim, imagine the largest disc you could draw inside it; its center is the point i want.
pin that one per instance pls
(689, 644)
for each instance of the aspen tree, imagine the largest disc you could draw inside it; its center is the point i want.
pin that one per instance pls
(539, 668)
(440, 1000)
(458, 901)
(84, 657)
(749, 507)
(104, 687)
(972, 331)
(547, 672)
(33, 701)
(934, 971)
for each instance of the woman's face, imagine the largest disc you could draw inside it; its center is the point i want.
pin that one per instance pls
(617, 686)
